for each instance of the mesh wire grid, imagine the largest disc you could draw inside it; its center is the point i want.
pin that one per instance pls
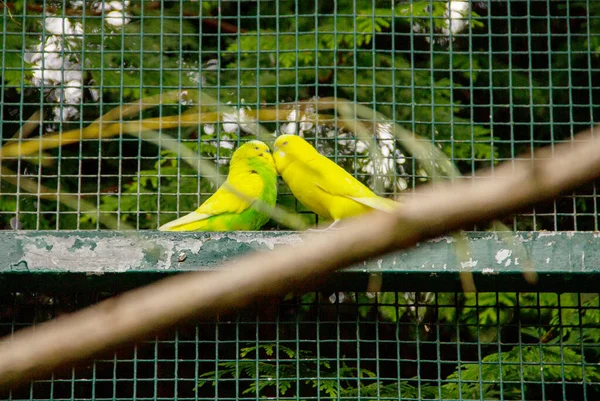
(442, 346)
(486, 81)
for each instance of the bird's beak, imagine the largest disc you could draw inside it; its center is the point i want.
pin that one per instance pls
(275, 148)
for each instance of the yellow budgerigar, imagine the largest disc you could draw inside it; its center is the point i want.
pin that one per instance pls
(252, 173)
(320, 184)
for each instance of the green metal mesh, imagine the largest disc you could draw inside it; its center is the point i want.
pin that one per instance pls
(486, 81)
(442, 346)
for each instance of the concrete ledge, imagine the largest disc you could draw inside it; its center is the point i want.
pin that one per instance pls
(113, 261)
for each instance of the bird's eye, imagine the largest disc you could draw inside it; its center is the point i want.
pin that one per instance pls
(285, 143)
(256, 148)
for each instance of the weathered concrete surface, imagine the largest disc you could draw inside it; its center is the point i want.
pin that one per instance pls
(31, 260)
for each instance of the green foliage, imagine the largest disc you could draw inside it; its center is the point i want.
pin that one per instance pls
(505, 373)
(162, 38)
(27, 216)
(129, 54)
(461, 90)
(551, 321)
(279, 369)
(371, 75)
(482, 94)
(561, 348)
(15, 43)
(23, 210)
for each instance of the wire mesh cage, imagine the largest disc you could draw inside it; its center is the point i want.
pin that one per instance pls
(486, 82)
(508, 346)
(109, 110)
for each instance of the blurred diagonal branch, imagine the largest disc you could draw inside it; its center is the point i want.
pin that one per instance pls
(434, 210)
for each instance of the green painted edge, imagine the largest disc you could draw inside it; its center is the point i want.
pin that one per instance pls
(114, 261)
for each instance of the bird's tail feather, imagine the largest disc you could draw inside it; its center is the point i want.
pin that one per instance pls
(180, 223)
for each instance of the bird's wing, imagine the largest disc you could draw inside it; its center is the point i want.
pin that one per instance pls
(223, 200)
(334, 180)
(227, 201)
(379, 203)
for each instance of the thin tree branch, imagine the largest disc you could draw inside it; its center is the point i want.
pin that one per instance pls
(433, 211)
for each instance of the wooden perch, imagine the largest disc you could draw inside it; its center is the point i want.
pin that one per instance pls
(34, 353)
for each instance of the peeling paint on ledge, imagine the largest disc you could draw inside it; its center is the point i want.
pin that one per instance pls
(566, 258)
(95, 252)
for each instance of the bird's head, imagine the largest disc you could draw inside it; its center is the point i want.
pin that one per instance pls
(288, 148)
(252, 152)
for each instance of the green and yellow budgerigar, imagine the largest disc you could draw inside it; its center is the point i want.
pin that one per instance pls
(252, 173)
(320, 184)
